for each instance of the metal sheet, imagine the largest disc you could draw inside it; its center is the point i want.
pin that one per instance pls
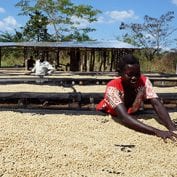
(74, 44)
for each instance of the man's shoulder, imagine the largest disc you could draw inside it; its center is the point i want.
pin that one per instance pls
(115, 81)
(143, 77)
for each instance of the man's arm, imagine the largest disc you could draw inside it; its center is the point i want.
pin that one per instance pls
(50, 68)
(137, 125)
(163, 114)
(34, 68)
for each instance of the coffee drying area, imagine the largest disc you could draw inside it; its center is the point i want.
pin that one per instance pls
(49, 126)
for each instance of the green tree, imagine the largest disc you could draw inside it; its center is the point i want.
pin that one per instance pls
(11, 56)
(153, 34)
(36, 27)
(65, 17)
(11, 37)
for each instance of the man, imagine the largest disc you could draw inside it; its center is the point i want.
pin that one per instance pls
(43, 68)
(125, 94)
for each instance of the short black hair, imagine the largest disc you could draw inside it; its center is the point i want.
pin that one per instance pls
(127, 59)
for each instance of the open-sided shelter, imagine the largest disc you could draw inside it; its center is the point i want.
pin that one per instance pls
(82, 56)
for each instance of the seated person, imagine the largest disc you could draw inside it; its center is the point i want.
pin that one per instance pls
(30, 63)
(43, 68)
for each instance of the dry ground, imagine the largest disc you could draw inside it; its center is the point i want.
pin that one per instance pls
(79, 144)
(78, 88)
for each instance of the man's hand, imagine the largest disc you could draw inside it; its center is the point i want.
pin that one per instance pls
(166, 135)
(28, 73)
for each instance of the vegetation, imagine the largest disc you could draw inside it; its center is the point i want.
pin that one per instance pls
(152, 35)
(162, 63)
(36, 28)
(64, 16)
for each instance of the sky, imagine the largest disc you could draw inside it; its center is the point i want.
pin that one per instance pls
(107, 26)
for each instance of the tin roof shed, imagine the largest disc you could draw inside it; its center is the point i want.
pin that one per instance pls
(80, 52)
(73, 44)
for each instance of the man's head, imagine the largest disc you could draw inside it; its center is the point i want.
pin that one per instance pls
(129, 69)
(41, 60)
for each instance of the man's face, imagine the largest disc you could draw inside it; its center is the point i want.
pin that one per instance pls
(131, 74)
(41, 60)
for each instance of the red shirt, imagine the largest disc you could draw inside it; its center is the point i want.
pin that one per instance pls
(116, 94)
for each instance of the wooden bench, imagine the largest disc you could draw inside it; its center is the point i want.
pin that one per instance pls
(71, 100)
(157, 81)
(55, 81)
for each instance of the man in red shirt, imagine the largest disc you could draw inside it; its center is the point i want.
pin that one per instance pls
(125, 94)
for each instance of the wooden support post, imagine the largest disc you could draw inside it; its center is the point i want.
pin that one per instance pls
(58, 58)
(92, 105)
(74, 60)
(0, 56)
(25, 54)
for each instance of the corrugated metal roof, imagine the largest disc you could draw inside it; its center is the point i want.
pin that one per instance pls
(74, 44)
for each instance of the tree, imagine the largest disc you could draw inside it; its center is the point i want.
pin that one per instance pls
(153, 35)
(36, 27)
(11, 56)
(10, 37)
(65, 17)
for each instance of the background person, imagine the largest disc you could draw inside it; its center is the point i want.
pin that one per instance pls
(30, 63)
(43, 68)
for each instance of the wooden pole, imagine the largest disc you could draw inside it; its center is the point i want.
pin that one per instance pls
(0, 56)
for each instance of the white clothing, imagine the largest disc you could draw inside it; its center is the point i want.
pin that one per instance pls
(43, 68)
